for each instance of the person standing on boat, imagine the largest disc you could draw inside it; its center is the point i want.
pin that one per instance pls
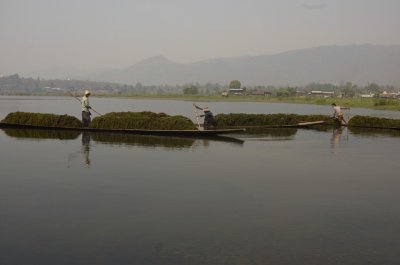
(209, 121)
(86, 109)
(338, 114)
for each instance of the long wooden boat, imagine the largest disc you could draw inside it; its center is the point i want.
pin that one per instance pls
(297, 125)
(310, 123)
(128, 131)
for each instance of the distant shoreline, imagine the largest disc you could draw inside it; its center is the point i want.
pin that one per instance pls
(368, 103)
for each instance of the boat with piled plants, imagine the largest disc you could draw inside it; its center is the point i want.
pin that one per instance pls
(250, 121)
(265, 121)
(150, 123)
(374, 122)
(146, 123)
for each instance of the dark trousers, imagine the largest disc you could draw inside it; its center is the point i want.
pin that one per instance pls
(86, 118)
(209, 123)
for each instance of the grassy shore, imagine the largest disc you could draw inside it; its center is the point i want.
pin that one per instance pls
(370, 103)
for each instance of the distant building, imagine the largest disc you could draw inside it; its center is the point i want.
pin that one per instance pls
(300, 93)
(237, 91)
(325, 94)
(370, 95)
(385, 94)
(261, 93)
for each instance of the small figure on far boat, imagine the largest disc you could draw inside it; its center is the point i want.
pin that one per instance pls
(86, 109)
(338, 114)
(209, 120)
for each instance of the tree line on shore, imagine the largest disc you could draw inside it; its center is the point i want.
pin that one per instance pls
(14, 85)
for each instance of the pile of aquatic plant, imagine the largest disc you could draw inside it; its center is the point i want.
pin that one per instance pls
(242, 119)
(42, 119)
(374, 122)
(142, 120)
(42, 134)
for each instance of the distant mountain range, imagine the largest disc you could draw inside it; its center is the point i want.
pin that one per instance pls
(360, 64)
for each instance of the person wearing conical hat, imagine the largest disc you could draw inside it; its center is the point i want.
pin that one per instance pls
(86, 109)
(209, 121)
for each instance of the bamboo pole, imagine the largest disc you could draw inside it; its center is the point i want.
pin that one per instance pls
(80, 101)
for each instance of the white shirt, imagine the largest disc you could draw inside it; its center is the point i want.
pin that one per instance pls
(85, 103)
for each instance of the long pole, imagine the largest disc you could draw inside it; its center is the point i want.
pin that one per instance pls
(80, 101)
(197, 116)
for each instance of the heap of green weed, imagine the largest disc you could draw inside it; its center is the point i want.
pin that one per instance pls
(374, 122)
(243, 119)
(42, 119)
(142, 120)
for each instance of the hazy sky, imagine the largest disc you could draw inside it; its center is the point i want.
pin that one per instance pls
(86, 34)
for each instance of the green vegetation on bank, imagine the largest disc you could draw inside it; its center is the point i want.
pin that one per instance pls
(344, 94)
(142, 120)
(369, 103)
(42, 119)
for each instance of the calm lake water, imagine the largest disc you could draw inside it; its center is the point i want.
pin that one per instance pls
(306, 196)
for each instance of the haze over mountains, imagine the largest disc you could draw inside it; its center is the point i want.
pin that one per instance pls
(359, 64)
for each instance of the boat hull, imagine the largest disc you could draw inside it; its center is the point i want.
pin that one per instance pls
(297, 125)
(128, 131)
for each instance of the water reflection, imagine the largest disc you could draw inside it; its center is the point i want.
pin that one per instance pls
(117, 139)
(143, 140)
(152, 141)
(319, 128)
(41, 134)
(267, 134)
(374, 132)
(86, 147)
(268, 203)
(84, 151)
(338, 138)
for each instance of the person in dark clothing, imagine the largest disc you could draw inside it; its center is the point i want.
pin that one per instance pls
(209, 120)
